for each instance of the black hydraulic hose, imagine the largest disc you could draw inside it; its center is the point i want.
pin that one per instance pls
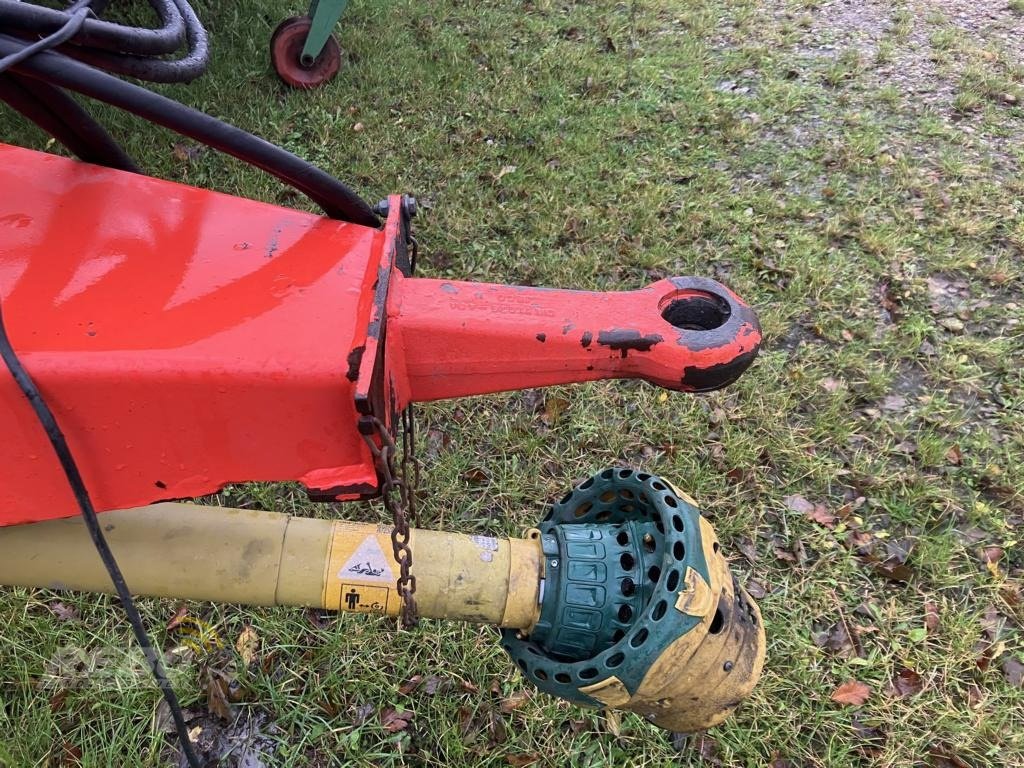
(145, 67)
(96, 33)
(65, 120)
(336, 199)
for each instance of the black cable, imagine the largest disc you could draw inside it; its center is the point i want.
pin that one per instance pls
(337, 200)
(74, 477)
(66, 32)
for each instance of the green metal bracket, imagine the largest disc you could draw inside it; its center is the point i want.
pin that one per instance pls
(324, 15)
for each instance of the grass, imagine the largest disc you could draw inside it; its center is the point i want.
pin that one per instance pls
(882, 246)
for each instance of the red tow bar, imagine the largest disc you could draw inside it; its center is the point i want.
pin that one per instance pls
(187, 339)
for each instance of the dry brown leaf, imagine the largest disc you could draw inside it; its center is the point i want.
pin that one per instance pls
(931, 616)
(217, 695)
(1013, 669)
(522, 759)
(394, 721)
(954, 455)
(613, 722)
(554, 407)
(410, 685)
(907, 683)
(178, 617)
(799, 504)
(248, 645)
(514, 701)
(851, 693)
(63, 611)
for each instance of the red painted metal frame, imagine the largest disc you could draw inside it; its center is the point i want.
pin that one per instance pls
(187, 339)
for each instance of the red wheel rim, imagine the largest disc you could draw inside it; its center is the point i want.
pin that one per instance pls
(286, 50)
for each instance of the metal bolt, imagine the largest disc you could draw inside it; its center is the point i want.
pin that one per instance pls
(554, 563)
(727, 666)
(382, 208)
(410, 206)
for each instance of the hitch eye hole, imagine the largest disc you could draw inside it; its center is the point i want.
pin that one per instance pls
(695, 310)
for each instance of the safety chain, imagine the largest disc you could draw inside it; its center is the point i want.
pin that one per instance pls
(399, 497)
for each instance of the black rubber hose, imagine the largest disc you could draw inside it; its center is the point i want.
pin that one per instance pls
(65, 120)
(336, 199)
(145, 67)
(97, 33)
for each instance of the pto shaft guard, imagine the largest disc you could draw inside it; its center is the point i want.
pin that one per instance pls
(639, 609)
(621, 599)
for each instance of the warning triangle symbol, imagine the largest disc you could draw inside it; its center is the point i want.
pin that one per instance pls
(367, 563)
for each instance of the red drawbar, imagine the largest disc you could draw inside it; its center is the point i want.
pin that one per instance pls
(187, 339)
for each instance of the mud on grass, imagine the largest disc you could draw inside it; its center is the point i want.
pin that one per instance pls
(853, 170)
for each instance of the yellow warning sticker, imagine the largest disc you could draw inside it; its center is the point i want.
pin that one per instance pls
(360, 573)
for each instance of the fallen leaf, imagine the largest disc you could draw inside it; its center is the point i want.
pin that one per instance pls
(799, 504)
(522, 759)
(469, 687)
(514, 701)
(822, 516)
(991, 554)
(894, 403)
(475, 476)
(837, 640)
(467, 723)
(907, 683)
(217, 695)
(362, 714)
(178, 617)
(554, 407)
(410, 685)
(746, 547)
(755, 589)
(991, 623)
(870, 739)
(434, 684)
(613, 722)
(931, 616)
(248, 645)
(1013, 669)
(496, 727)
(394, 721)
(63, 611)
(940, 757)
(851, 693)
(954, 456)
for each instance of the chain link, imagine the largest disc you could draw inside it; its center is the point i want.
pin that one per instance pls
(400, 500)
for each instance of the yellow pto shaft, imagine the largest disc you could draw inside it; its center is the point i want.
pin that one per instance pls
(265, 558)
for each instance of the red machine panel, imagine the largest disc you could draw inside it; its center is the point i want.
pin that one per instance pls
(187, 339)
(183, 338)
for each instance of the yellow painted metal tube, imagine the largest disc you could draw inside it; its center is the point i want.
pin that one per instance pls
(266, 558)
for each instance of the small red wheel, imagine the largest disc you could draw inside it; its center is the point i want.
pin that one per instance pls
(286, 55)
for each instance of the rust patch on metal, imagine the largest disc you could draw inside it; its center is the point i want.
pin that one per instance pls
(355, 357)
(542, 337)
(588, 337)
